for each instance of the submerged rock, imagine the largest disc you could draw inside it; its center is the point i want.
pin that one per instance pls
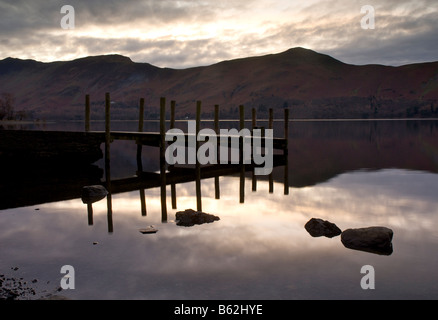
(190, 217)
(376, 240)
(150, 229)
(91, 194)
(317, 227)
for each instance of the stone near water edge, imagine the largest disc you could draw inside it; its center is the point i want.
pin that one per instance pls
(317, 227)
(376, 240)
(190, 217)
(148, 230)
(91, 194)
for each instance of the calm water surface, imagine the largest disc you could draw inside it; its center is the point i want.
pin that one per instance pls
(354, 174)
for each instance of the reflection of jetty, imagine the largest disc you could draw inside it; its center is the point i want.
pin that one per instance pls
(149, 180)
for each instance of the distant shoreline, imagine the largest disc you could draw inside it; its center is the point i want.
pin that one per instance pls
(39, 122)
(20, 121)
(262, 120)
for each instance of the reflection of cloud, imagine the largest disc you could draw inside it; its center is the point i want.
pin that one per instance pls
(258, 249)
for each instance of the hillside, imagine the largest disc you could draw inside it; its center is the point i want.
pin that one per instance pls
(310, 84)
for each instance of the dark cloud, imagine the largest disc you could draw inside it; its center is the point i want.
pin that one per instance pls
(20, 15)
(405, 30)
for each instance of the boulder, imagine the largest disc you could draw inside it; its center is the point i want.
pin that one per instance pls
(376, 240)
(91, 194)
(189, 217)
(317, 227)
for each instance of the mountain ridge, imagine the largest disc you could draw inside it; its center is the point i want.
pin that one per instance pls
(310, 84)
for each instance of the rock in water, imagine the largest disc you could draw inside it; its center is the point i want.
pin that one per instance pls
(372, 239)
(150, 229)
(189, 217)
(91, 194)
(318, 227)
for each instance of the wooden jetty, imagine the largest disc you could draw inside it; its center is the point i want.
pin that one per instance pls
(65, 145)
(158, 140)
(83, 147)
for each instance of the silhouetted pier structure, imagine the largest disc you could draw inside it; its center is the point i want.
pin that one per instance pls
(172, 174)
(72, 148)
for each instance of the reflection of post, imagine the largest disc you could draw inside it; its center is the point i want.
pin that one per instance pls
(139, 156)
(198, 166)
(107, 160)
(286, 176)
(90, 213)
(271, 183)
(270, 126)
(216, 129)
(173, 195)
(242, 165)
(254, 124)
(87, 113)
(163, 159)
(110, 213)
(172, 125)
(143, 202)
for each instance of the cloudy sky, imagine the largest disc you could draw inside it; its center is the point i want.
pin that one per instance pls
(186, 33)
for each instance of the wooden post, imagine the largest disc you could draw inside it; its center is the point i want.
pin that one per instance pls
(216, 118)
(107, 115)
(216, 129)
(254, 124)
(242, 117)
(163, 119)
(198, 167)
(270, 126)
(242, 165)
(107, 139)
(87, 113)
(172, 125)
(198, 118)
(141, 115)
(285, 152)
(271, 118)
(163, 159)
(286, 129)
(172, 114)
(140, 129)
(108, 160)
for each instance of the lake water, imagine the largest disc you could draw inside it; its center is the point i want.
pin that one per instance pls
(351, 173)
